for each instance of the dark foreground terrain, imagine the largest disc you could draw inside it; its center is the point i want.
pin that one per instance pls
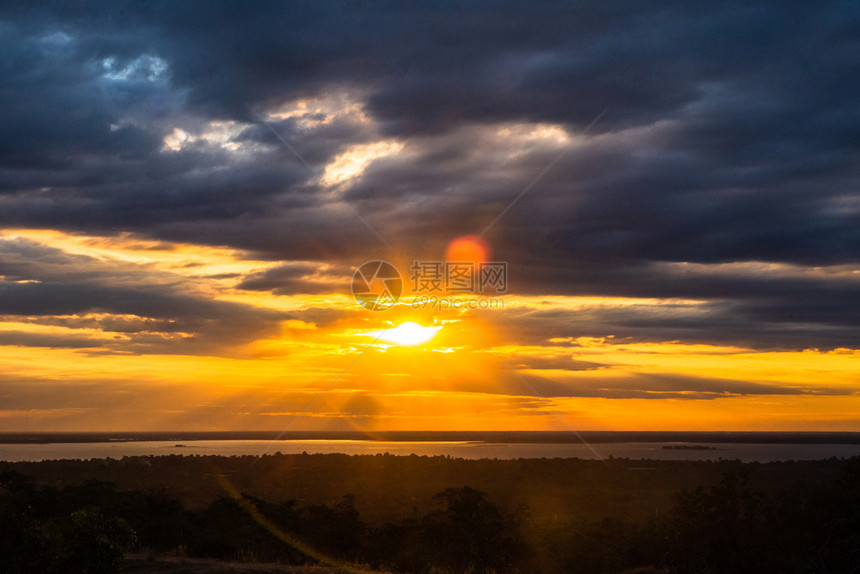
(335, 513)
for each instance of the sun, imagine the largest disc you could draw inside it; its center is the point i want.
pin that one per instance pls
(408, 334)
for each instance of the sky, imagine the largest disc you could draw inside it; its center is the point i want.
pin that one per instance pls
(187, 190)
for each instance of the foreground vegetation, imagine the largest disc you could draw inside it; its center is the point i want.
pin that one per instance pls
(419, 514)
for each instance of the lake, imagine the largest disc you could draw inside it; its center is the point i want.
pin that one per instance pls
(746, 452)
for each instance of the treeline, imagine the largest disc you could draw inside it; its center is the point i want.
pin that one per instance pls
(389, 487)
(731, 526)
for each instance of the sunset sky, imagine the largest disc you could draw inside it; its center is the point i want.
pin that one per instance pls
(187, 189)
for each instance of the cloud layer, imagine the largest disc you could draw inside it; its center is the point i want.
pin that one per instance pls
(701, 160)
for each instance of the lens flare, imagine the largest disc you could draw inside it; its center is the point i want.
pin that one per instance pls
(469, 248)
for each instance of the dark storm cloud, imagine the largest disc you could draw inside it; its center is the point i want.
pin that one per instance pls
(300, 278)
(728, 134)
(750, 325)
(657, 386)
(634, 386)
(208, 326)
(562, 363)
(46, 286)
(24, 339)
(779, 308)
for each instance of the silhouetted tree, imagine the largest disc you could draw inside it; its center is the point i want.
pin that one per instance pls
(469, 533)
(22, 543)
(89, 543)
(42, 531)
(338, 530)
(723, 529)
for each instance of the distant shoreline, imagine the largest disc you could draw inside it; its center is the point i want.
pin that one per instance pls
(502, 437)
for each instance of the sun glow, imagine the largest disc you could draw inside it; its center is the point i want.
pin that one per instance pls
(408, 334)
